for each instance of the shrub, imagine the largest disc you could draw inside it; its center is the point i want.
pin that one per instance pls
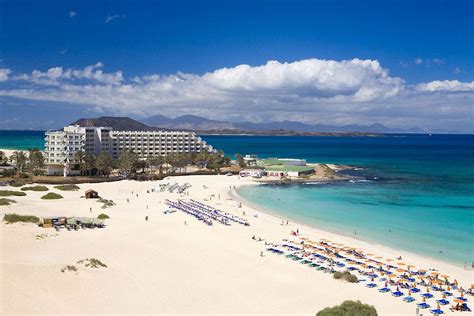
(11, 193)
(67, 187)
(8, 173)
(51, 196)
(17, 183)
(35, 188)
(103, 216)
(346, 275)
(351, 308)
(69, 268)
(13, 218)
(4, 202)
(106, 203)
(92, 263)
(351, 278)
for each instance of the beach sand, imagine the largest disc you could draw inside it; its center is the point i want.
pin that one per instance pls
(166, 266)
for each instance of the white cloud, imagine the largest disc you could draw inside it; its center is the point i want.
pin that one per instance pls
(110, 18)
(55, 75)
(4, 74)
(457, 70)
(418, 61)
(313, 90)
(72, 14)
(446, 85)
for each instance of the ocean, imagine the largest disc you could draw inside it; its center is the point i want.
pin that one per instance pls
(414, 192)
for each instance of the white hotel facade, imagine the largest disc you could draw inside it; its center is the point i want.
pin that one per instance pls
(61, 146)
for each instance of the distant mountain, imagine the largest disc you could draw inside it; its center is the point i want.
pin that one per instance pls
(192, 122)
(188, 122)
(117, 123)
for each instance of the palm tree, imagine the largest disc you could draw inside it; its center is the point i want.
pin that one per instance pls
(89, 163)
(19, 159)
(128, 161)
(36, 161)
(240, 160)
(3, 158)
(104, 163)
(79, 158)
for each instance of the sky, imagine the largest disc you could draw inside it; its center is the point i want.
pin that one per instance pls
(400, 63)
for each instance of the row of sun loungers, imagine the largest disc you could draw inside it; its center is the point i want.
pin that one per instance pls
(205, 213)
(179, 188)
(326, 258)
(193, 212)
(228, 216)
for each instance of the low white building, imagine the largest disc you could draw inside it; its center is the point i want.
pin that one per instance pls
(61, 146)
(255, 173)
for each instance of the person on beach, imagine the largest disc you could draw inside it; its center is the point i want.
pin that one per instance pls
(146, 218)
(128, 201)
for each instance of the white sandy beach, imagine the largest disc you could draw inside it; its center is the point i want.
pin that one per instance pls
(164, 266)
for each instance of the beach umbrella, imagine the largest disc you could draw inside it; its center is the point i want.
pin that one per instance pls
(378, 257)
(434, 273)
(400, 270)
(445, 276)
(401, 264)
(389, 260)
(456, 300)
(369, 254)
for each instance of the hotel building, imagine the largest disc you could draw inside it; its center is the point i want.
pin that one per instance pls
(61, 146)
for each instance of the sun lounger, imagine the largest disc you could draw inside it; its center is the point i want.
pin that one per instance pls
(423, 305)
(397, 293)
(448, 293)
(443, 302)
(384, 290)
(371, 285)
(437, 311)
(409, 299)
(427, 295)
(462, 298)
(415, 290)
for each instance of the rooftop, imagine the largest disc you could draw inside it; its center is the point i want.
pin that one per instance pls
(286, 168)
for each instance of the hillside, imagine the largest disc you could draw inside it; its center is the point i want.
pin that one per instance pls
(117, 123)
(193, 122)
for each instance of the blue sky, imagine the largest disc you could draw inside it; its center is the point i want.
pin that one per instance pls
(416, 41)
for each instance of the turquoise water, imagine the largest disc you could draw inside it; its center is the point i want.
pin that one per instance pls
(415, 192)
(21, 140)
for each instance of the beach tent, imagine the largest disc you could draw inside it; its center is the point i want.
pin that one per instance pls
(91, 194)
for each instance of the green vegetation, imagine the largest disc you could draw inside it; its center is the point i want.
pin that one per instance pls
(103, 216)
(92, 263)
(69, 268)
(106, 203)
(346, 275)
(35, 188)
(5, 202)
(51, 196)
(351, 278)
(67, 187)
(14, 218)
(349, 308)
(11, 193)
(17, 183)
(240, 161)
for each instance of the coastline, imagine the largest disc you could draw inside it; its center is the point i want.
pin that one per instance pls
(335, 233)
